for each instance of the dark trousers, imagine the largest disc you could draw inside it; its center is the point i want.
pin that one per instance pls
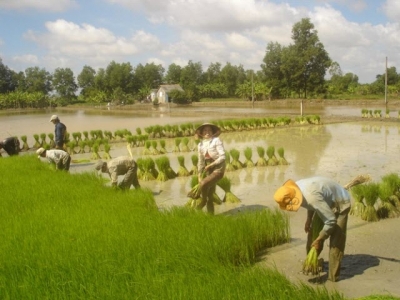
(337, 243)
(130, 178)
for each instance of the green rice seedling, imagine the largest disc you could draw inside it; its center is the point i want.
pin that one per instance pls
(182, 171)
(158, 131)
(236, 163)
(162, 165)
(108, 135)
(163, 150)
(194, 193)
(282, 160)
(146, 150)
(140, 167)
(168, 130)
(261, 162)
(154, 149)
(177, 143)
(25, 145)
(170, 172)
(93, 134)
(138, 131)
(195, 160)
(81, 144)
(86, 135)
(43, 139)
(310, 265)
(95, 151)
(185, 142)
(150, 131)
(371, 195)
(393, 180)
(248, 153)
(387, 208)
(52, 143)
(71, 147)
(107, 149)
(225, 184)
(357, 192)
(272, 160)
(148, 168)
(228, 165)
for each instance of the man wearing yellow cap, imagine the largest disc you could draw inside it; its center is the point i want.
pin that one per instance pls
(331, 202)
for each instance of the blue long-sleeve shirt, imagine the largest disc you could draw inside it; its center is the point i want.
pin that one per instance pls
(326, 197)
(59, 134)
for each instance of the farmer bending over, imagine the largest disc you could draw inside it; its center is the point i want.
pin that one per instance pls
(211, 153)
(59, 158)
(123, 165)
(10, 145)
(331, 202)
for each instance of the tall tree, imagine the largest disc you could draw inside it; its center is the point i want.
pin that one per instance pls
(191, 78)
(173, 75)
(37, 80)
(86, 80)
(272, 68)
(119, 75)
(312, 59)
(7, 83)
(64, 84)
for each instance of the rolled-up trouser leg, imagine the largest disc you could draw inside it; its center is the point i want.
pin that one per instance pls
(337, 245)
(208, 185)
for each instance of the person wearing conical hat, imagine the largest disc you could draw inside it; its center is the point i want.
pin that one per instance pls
(331, 202)
(211, 163)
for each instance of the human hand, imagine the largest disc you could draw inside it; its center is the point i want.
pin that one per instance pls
(317, 244)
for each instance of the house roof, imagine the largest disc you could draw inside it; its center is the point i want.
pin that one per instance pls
(169, 87)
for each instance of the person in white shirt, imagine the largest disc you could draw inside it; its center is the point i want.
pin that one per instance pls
(211, 164)
(60, 158)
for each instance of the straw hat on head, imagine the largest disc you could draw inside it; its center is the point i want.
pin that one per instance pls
(54, 117)
(40, 151)
(215, 129)
(289, 196)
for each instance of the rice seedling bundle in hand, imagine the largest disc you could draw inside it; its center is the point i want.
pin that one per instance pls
(182, 171)
(310, 265)
(371, 195)
(248, 153)
(235, 154)
(194, 193)
(225, 184)
(282, 160)
(261, 162)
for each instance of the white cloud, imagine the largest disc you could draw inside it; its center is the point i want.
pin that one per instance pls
(392, 9)
(40, 5)
(29, 59)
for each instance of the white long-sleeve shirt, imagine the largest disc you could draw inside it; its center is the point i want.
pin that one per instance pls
(214, 148)
(57, 156)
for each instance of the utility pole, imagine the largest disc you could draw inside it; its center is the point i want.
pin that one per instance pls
(386, 75)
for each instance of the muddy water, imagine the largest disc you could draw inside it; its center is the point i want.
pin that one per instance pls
(340, 151)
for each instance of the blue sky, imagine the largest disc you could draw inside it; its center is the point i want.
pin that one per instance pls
(358, 34)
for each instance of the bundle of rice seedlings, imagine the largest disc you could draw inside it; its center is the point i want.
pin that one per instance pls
(185, 142)
(108, 135)
(146, 150)
(261, 162)
(195, 191)
(43, 139)
(393, 180)
(310, 265)
(357, 192)
(138, 131)
(107, 149)
(248, 153)
(95, 151)
(216, 199)
(235, 154)
(154, 149)
(81, 144)
(225, 184)
(75, 136)
(162, 165)
(195, 160)
(371, 195)
(169, 171)
(272, 160)
(25, 145)
(177, 143)
(148, 169)
(86, 135)
(182, 171)
(388, 208)
(52, 143)
(163, 150)
(282, 160)
(228, 165)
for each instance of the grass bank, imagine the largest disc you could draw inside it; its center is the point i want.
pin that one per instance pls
(67, 236)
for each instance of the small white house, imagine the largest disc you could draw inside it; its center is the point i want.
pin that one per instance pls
(164, 89)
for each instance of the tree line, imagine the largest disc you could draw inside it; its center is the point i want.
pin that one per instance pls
(299, 70)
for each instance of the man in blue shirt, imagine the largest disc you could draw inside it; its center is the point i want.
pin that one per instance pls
(331, 202)
(60, 131)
